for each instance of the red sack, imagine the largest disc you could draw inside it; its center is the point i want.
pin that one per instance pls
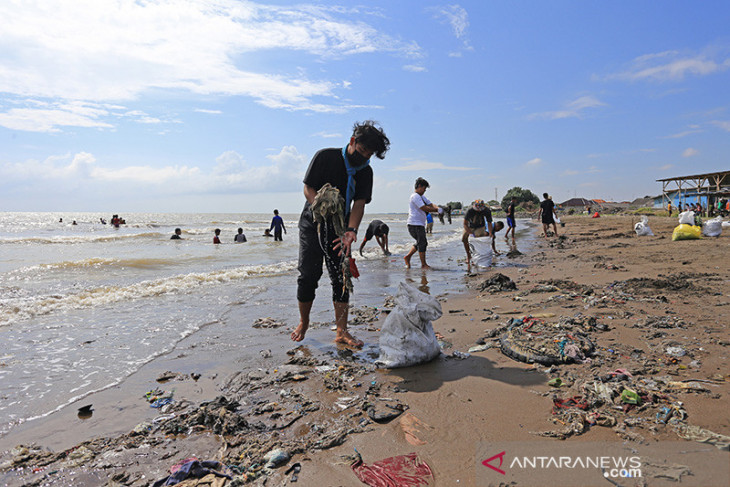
(401, 471)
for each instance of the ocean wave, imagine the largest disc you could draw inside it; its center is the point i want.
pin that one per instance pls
(73, 239)
(14, 310)
(138, 263)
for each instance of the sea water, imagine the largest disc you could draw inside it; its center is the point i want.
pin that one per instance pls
(84, 306)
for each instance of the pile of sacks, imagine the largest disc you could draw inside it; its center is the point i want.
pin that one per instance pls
(690, 228)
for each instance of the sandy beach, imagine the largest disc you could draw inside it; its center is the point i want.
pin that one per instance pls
(654, 309)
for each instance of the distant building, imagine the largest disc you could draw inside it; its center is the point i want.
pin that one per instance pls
(705, 189)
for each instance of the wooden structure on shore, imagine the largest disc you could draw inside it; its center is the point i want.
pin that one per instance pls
(711, 186)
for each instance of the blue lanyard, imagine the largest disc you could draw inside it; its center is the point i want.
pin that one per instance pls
(350, 179)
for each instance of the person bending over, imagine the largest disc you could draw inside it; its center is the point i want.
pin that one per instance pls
(380, 231)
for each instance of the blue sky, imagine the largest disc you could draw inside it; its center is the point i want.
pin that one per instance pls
(219, 105)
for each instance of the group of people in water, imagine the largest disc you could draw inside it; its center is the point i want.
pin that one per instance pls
(277, 224)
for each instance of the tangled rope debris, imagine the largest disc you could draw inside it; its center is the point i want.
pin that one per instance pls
(328, 211)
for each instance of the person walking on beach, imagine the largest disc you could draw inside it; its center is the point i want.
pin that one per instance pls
(176, 235)
(277, 223)
(418, 207)
(380, 231)
(511, 223)
(348, 170)
(477, 224)
(240, 237)
(216, 237)
(547, 214)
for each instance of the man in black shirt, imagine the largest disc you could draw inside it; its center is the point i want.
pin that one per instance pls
(547, 211)
(478, 223)
(348, 170)
(380, 231)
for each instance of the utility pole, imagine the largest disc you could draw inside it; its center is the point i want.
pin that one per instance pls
(495, 195)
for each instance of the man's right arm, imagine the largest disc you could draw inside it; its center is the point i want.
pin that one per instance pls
(309, 193)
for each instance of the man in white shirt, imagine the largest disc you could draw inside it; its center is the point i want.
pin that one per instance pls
(419, 206)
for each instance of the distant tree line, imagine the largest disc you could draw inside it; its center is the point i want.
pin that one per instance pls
(526, 200)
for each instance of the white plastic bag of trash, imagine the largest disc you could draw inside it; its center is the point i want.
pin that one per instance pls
(712, 228)
(687, 217)
(481, 250)
(407, 336)
(642, 228)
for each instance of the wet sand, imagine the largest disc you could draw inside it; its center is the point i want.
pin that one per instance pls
(600, 269)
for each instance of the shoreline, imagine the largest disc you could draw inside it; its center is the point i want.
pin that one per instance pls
(455, 404)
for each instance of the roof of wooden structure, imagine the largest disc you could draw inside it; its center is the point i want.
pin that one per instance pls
(708, 184)
(709, 175)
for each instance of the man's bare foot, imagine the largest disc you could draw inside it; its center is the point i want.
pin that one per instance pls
(408, 262)
(346, 339)
(298, 334)
(425, 266)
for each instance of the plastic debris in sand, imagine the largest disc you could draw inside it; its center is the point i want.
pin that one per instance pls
(530, 340)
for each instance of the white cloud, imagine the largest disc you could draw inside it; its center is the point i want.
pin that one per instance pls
(421, 165)
(690, 152)
(458, 18)
(328, 135)
(99, 51)
(573, 109)
(666, 167)
(589, 170)
(211, 112)
(672, 66)
(725, 125)
(414, 68)
(681, 134)
(46, 117)
(146, 174)
(282, 171)
(534, 162)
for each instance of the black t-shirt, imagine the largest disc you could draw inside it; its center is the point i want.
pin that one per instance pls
(511, 210)
(547, 211)
(547, 207)
(328, 166)
(377, 228)
(475, 219)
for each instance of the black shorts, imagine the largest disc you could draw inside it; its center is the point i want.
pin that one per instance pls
(419, 233)
(314, 248)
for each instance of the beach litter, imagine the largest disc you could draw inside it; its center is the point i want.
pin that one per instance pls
(412, 428)
(407, 337)
(642, 228)
(712, 228)
(530, 340)
(402, 471)
(686, 232)
(276, 458)
(193, 469)
(267, 322)
(497, 283)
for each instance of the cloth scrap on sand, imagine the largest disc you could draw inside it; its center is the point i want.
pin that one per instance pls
(401, 471)
(193, 469)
